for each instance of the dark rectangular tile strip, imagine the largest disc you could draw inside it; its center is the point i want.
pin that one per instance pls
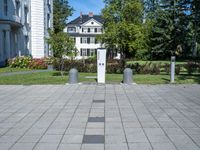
(98, 101)
(96, 119)
(93, 139)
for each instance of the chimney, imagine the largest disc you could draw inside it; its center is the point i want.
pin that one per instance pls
(90, 14)
(81, 14)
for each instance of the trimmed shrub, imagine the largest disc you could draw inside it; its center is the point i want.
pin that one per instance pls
(177, 69)
(191, 67)
(155, 69)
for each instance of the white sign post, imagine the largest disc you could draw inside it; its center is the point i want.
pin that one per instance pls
(101, 65)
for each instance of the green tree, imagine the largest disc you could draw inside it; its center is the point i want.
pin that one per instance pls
(172, 30)
(61, 11)
(62, 45)
(124, 30)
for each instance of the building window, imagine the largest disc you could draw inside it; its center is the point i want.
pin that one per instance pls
(26, 15)
(84, 40)
(5, 7)
(95, 30)
(83, 52)
(92, 40)
(26, 43)
(48, 21)
(17, 3)
(88, 40)
(99, 29)
(92, 52)
(88, 52)
(84, 30)
(88, 30)
(71, 30)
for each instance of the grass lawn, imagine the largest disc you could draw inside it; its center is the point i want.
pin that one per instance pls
(54, 77)
(8, 69)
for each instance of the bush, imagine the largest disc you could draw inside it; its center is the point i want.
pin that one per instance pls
(191, 67)
(167, 68)
(177, 69)
(38, 64)
(20, 62)
(27, 62)
(155, 69)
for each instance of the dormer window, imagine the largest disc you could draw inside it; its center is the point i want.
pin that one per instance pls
(71, 29)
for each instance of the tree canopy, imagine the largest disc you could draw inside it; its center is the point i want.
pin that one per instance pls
(152, 28)
(61, 11)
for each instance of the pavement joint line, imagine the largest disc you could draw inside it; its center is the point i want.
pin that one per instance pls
(70, 120)
(139, 122)
(88, 115)
(116, 99)
(35, 122)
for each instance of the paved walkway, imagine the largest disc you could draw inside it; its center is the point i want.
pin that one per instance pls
(100, 117)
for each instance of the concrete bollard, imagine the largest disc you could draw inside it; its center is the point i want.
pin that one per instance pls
(73, 76)
(127, 77)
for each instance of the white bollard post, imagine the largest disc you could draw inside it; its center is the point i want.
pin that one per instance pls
(101, 65)
(172, 72)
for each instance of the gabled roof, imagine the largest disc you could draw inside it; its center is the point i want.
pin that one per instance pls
(81, 20)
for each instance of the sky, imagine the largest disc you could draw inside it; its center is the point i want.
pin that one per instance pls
(85, 6)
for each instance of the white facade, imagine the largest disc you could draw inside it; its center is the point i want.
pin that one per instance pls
(23, 28)
(37, 28)
(85, 36)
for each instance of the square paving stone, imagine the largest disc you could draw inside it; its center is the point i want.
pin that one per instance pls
(92, 147)
(96, 119)
(93, 139)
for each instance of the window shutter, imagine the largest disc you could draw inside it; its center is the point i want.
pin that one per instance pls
(88, 52)
(88, 40)
(95, 52)
(81, 52)
(81, 40)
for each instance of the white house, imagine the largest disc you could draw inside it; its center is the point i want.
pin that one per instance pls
(84, 29)
(23, 28)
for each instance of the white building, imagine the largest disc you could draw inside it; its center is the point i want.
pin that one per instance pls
(85, 29)
(23, 28)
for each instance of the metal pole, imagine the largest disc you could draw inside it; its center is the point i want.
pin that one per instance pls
(172, 74)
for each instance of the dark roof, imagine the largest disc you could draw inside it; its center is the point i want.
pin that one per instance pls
(85, 18)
